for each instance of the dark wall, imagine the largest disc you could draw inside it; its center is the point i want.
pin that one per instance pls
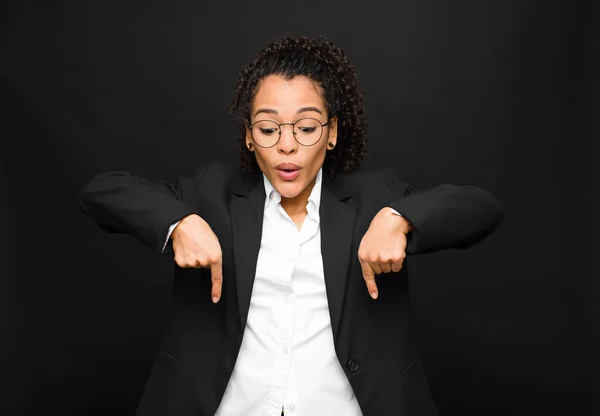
(501, 95)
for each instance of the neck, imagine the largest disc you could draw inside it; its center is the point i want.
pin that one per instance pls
(297, 205)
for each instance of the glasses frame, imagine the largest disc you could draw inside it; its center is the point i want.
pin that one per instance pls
(251, 126)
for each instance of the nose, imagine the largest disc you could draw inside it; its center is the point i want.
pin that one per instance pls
(287, 142)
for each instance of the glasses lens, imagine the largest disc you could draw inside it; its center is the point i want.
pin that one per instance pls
(308, 131)
(265, 133)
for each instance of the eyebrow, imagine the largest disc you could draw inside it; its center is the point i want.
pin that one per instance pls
(272, 111)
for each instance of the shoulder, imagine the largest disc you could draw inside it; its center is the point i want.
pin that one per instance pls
(370, 176)
(221, 177)
(371, 183)
(393, 182)
(209, 172)
(215, 170)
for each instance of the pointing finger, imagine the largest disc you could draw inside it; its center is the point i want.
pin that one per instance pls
(216, 276)
(369, 277)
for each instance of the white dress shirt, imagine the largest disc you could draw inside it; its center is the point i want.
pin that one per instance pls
(287, 358)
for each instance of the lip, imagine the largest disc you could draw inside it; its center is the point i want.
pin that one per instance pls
(287, 171)
(287, 166)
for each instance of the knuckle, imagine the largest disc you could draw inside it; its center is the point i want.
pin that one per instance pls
(183, 261)
(397, 257)
(214, 258)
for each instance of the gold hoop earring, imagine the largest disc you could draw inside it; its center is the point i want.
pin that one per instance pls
(250, 146)
(331, 145)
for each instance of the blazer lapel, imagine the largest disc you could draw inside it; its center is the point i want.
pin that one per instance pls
(337, 231)
(247, 210)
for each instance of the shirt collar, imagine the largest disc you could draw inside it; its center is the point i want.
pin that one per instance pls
(314, 199)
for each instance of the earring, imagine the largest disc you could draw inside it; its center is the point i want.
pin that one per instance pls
(331, 145)
(250, 146)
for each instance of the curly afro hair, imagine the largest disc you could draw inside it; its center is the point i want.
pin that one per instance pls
(328, 66)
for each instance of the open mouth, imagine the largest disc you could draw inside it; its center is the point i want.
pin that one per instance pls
(287, 171)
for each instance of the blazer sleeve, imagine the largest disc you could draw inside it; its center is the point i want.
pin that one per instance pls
(444, 216)
(119, 202)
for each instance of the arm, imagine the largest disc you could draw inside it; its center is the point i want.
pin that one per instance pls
(119, 202)
(445, 216)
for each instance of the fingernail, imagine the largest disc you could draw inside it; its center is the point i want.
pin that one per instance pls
(215, 299)
(374, 295)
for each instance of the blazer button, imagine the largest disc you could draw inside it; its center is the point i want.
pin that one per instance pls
(353, 365)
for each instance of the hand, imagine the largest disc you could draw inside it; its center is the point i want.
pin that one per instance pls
(383, 247)
(196, 245)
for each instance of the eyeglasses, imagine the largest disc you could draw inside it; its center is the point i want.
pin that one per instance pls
(307, 131)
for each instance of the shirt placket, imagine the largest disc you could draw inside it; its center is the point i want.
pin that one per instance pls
(284, 318)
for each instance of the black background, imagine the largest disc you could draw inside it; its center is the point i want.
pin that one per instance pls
(502, 95)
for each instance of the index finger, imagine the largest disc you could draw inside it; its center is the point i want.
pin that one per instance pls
(216, 276)
(369, 277)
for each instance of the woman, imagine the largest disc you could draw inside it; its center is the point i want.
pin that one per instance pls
(276, 307)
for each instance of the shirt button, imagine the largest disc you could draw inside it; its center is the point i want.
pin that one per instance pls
(292, 408)
(285, 350)
(353, 365)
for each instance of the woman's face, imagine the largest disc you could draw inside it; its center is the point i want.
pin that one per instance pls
(290, 167)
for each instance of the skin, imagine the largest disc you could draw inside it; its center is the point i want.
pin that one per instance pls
(382, 248)
(285, 101)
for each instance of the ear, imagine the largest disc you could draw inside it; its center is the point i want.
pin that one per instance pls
(248, 138)
(332, 128)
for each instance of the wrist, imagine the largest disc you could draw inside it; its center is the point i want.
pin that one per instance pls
(180, 224)
(175, 231)
(405, 225)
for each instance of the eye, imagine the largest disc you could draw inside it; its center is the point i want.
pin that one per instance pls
(268, 131)
(307, 130)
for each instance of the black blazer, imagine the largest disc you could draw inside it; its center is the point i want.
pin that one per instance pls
(372, 337)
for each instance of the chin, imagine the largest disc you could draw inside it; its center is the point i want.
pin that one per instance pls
(289, 190)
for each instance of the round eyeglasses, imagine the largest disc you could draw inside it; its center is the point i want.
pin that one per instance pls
(307, 131)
